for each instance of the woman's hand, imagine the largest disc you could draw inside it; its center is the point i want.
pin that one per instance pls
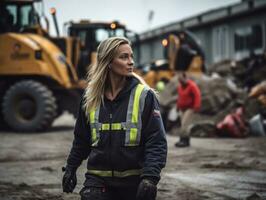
(69, 179)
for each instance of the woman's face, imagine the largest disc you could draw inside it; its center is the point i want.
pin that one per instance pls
(123, 63)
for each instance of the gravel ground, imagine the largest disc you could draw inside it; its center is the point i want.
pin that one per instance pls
(212, 168)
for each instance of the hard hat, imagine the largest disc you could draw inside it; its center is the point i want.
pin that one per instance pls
(160, 86)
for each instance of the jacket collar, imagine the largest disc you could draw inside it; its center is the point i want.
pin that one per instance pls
(131, 82)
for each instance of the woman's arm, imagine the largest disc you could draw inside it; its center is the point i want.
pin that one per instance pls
(155, 144)
(81, 144)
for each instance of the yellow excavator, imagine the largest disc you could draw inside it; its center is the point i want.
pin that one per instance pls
(37, 79)
(42, 76)
(182, 52)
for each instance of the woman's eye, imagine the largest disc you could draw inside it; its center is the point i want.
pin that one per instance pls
(123, 57)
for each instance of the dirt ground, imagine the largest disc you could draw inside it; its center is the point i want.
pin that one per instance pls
(213, 168)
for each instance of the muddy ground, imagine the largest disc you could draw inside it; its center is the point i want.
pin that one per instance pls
(213, 168)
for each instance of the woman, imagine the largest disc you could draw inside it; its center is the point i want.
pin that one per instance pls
(119, 129)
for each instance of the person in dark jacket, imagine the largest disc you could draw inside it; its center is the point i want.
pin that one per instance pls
(119, 130)
(188, 102)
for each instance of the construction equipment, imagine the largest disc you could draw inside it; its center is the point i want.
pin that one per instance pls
(37, 81)
(182, 52)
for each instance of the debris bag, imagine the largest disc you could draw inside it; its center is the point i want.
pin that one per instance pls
(173, 115)
(233, 125)
(256, 126)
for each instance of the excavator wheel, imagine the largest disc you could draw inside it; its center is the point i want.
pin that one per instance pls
(29, 106)
(3, 125)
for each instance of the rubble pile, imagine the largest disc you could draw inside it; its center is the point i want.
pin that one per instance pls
(220, 96)
(245, 73)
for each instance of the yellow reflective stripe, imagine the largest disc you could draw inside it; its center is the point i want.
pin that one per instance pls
(92, 116)
(126, 173)
(120, 174)
(133, 136)
(100, 173)
(93, 131)
(135, 112)
(116, 126)
(105, 127)
(93, 135)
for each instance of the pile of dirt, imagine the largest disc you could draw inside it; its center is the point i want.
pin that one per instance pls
(220, 96)
(246, 73)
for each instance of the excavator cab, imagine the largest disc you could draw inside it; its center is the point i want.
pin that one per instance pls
(22, 16)
(185, 53)
(27, 16)
(182, 53)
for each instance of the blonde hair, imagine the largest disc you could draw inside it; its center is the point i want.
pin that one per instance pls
(97, 74)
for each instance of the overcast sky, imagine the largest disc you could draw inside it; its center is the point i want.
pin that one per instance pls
(138, 15)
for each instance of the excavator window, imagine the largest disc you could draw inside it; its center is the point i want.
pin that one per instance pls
(26, 15)
(101, 34)
(8, 18)
(82, 37)
(120, 32)
(16, 16)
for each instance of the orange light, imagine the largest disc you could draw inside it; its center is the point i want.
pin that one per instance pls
(164, 42)
(113, 25)
(52, 11)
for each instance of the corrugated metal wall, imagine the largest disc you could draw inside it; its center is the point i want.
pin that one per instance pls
(217, 40)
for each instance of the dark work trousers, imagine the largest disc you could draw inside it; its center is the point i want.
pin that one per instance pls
(108, 193)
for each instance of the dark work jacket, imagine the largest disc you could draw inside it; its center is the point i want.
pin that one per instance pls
(111, 152)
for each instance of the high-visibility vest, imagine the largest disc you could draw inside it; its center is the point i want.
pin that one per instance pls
(133, 123)
(132, 127)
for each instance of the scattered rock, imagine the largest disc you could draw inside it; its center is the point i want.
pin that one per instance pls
(49, 169)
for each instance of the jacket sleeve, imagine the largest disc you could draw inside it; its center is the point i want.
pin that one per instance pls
(155, 144)
(80, 146)
(197, 97)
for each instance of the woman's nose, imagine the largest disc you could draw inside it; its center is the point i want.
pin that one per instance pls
(131, 61)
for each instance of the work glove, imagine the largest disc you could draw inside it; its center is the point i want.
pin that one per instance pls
(147, 190)
(69, 179)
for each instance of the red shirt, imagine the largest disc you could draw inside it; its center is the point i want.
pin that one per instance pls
(188, 96)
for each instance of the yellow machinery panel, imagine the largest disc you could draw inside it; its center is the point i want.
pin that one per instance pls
(18, 53)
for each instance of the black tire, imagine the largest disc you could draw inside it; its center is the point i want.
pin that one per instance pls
(3, 125)
(29, 106)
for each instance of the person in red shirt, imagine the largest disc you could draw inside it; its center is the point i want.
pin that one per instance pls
(188, 102)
